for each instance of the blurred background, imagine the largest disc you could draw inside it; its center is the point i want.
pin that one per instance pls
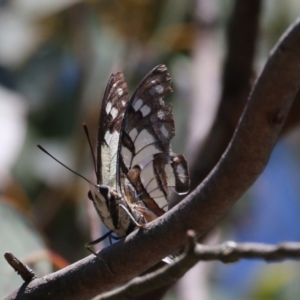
(55, 59)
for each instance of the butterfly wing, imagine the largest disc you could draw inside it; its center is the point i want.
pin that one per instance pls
(148, 166)
(104, 195)
(113, 107)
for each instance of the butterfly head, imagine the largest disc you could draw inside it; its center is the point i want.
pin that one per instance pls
(107, 203)
(100, 192)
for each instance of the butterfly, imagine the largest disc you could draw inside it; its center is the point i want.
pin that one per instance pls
(136, 168)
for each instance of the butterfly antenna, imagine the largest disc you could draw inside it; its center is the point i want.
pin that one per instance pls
(91, 148)
(45, 151)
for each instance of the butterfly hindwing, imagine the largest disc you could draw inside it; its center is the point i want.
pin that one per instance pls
(148, 167)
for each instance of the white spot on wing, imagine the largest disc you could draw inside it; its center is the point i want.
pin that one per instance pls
(160, 114)
(123, 102)
(143, 139)
(133, 134)
(159, 88)
(146, 163)
(145, 110)
(157, 193)
(180, 169)
(109, 158)
(150, 150)
(181, 174)
(147, 174)
(120, 91)
(108, 107)
(183, 179)
(126, 155)
(114, 112)
(170, 175)
(164, 131)
(137, 105)
(161, 202)
(107, 137)
(105, 151)
(113, 158)
(156, 90)
(176, 160)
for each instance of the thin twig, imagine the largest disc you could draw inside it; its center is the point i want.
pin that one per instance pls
(227, 252)
(22, 269)
(230, 252)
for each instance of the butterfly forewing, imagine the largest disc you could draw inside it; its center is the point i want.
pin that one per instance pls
(112, 112)
(105, 195)
(148, 167)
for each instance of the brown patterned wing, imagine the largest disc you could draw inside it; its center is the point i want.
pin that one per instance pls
(148, 167)
(113, 108)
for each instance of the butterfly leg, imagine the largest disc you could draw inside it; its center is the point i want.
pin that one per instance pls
(100, 239)
(88, 247)
(116, 238)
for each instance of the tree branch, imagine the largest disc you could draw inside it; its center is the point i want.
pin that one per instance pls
(240, 165)
(293, 119)
(22, 269)
(241, 37)
(228, 252)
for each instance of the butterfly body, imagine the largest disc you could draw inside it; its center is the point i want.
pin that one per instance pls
(136, 167)
(108, 204)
